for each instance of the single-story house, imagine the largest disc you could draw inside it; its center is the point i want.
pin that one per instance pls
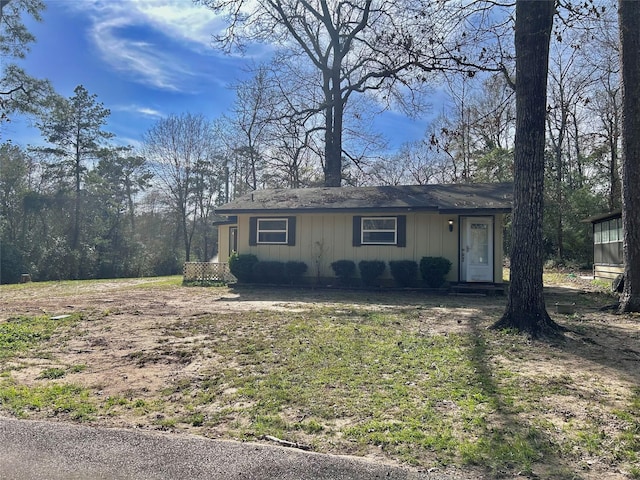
(461, 222)
(608, 260)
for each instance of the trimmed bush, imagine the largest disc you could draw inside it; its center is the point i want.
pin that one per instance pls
(242, 266)
(344, 270)
(434, 270)
(268, 272)
(293, 271)
(404, 272)
(370, 270)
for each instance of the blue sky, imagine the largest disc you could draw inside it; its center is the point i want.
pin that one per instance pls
(144, 59)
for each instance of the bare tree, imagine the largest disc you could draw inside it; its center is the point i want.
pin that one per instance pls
(177, 148)
(476, 129)
(249, 124)
(569, 82)
(208, 191)
(374, 46)
(606, 105)
(291, 158)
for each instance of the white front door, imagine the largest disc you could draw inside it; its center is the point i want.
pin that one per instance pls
(476, 256)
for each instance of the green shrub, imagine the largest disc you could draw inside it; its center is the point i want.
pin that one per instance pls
(344, 270)
(242, 266)
(370, 270)
(434, 270)
(293, 271)
(404, 272)
(268, 272)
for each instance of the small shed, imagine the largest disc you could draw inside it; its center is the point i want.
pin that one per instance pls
(608, 261)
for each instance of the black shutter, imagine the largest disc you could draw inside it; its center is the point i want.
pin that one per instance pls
(402, 230)
(291, 234)
(357, 225)
(253, 231)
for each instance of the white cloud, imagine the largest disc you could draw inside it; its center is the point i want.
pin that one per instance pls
(182, 19)
(139, 110)
(176, 25)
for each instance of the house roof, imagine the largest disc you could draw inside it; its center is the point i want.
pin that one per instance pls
(453, 198)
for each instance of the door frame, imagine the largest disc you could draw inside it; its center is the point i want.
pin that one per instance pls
(462, 269)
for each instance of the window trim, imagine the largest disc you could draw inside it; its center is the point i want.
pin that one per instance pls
(363, 231)
(400, 231)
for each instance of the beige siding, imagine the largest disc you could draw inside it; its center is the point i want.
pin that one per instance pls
(498, 241)
(325, 238)
(223, 243)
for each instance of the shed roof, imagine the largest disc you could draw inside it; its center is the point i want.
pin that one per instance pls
(446, 199)
(603, 216)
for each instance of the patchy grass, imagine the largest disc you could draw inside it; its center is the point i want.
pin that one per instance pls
(70, 288)
(53, 373)
(412, 394)
(56, 400)
(19, 334)
(403, 377)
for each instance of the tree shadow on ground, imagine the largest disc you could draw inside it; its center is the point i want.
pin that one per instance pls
(380, 296)
(512, 443)
(609, 345)
(596, 333)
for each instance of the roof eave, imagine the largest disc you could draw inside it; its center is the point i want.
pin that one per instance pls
(299, 210)
(602, 216)
(474, 211)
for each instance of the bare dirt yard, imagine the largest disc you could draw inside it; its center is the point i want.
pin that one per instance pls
(401, 377)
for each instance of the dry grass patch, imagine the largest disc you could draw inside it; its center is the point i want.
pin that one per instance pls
(401, 377)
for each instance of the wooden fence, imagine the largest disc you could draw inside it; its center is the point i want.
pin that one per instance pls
(207, 271)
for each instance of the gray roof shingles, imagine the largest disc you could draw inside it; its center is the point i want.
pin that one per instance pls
(451, 198)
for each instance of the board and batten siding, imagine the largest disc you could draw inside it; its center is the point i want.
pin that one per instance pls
(324, 238)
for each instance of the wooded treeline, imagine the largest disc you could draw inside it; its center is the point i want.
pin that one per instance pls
(85, 207)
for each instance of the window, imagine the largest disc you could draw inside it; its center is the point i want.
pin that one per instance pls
(605, 232)
(233, 239)
(597, 233)
(272, 231)
(609, 231)
(613, 230)
(380, 231)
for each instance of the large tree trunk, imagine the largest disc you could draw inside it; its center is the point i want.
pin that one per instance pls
(526, 309)
(333, 124)
(629, 20)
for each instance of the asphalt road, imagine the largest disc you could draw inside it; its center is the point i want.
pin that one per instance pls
(36, 450)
